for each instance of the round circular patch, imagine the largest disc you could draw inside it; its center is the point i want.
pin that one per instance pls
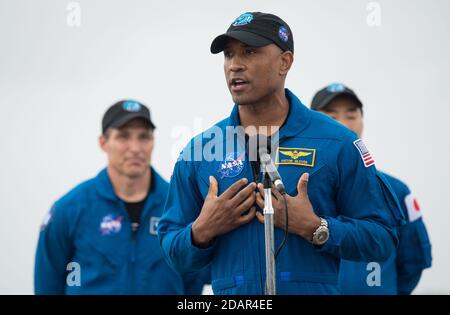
(232, 166)
(131, 106)
(335, 87)
(283, 33)
(243, 19)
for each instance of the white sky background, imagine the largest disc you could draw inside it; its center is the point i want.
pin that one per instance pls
(56, 82)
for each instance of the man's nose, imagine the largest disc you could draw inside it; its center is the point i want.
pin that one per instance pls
(134, 145)
(236, 64)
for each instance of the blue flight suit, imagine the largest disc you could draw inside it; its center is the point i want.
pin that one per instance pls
(402, 271)
(90, 227)
(349, 195)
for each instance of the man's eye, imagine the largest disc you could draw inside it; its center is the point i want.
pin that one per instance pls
(145, 137)
(351, 117)
(250, 51)
(227, 54)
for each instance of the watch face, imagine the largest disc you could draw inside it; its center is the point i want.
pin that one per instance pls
(321, 236)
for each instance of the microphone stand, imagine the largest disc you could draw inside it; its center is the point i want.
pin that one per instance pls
(269, 237)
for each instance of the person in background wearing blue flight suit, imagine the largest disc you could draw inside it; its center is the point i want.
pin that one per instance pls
(336, 201)
(101, 237)
(402, 271)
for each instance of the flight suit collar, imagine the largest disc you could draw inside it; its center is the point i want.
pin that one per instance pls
(105, 188)
(298, 119)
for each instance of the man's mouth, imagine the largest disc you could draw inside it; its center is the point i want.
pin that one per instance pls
(238, 85)
(134, 161)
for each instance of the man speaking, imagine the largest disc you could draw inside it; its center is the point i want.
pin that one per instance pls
(335, 200)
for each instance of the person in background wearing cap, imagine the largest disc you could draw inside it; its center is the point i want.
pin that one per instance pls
(106, 226)
(336, 205)
(402, 271)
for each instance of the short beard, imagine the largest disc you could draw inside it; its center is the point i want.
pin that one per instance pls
(249, 100)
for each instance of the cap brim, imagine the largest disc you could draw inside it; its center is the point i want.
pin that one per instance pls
(127, 118)
(246, 37)
(332, 96)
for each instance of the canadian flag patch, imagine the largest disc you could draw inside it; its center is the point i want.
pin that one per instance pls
(365, 154)
(413, 208)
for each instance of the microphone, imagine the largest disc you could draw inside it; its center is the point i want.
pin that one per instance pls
(271, 170)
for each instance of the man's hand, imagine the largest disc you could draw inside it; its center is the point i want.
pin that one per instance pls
(302, 219)
(221, 214)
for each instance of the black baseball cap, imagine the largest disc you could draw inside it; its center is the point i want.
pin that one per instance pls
(122, 112)
(330, 92)
(256, 29)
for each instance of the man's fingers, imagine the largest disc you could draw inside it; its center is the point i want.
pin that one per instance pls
(302, 186)
(248, 217)
(243, 194)
(260, 217)
(261, 189)
(250, 201)
(276, 193)
(259, 200)
(233, 189)
(213, 186)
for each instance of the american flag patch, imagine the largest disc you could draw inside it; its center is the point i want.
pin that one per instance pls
(365, 154)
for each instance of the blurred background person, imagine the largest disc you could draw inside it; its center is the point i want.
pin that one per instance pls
(106, 226)
(401, 273)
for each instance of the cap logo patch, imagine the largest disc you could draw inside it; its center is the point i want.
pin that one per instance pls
(243, 19)
(283, 33)
(131, 106)
(335, 87)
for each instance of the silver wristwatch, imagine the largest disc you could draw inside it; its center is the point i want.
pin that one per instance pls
(321, 235)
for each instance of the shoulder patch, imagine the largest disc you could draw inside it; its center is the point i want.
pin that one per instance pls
(413, 208)
(46, 220)
(365, 154)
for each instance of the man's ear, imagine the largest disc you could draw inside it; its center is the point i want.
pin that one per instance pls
(286, 58)
(362, 128)
(102, 142)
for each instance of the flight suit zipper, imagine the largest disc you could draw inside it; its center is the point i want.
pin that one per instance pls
(256, 174)
(134, 227)
(134, 233)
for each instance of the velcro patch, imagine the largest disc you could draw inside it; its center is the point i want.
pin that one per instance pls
(413, 208)
(295, 156)
(365, 154)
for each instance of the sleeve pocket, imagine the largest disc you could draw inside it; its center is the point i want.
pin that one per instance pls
(391, 200)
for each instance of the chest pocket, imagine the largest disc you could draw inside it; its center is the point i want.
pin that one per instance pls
(101, 248)
(391, 200)
(292, 173)
(149, 251)
(101, 253)
(224, 181)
